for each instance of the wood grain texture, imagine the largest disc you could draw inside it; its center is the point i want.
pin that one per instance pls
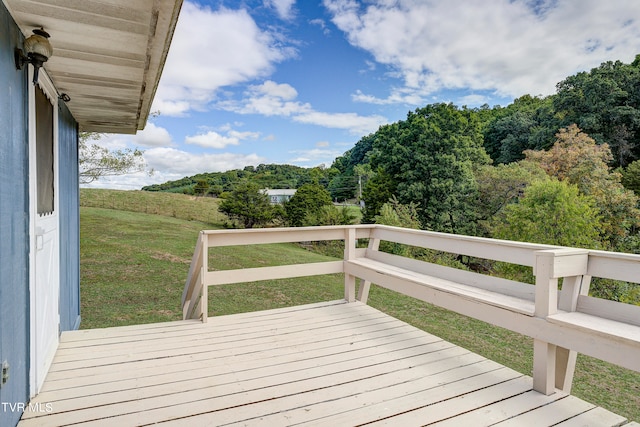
(325, 364)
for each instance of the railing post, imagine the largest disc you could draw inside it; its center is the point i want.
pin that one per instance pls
(349, 254)
(204, 296)
(553, 368)
(572, 287)
(365, 285)
(544, 354)
(204, 299)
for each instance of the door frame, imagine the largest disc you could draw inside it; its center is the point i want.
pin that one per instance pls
(37, 374)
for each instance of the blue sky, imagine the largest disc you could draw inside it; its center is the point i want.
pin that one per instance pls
(300, 82)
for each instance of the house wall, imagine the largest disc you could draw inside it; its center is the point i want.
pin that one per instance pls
(69, 220)
(14, 224)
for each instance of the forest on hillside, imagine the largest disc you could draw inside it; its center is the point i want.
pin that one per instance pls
(265, 176)
(561, 169)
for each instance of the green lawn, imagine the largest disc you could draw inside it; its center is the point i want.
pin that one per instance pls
(134, 265)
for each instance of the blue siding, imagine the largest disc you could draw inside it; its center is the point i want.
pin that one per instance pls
(69, 220)
(14, 222)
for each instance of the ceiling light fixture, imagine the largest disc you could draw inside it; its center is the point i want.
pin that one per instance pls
(38, 49)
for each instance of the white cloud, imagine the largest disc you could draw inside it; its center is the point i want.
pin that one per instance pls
(473, 100)
(268, 99)
(320, 23)
(112, 141)
(354, 123)
(283, 7)
(244, 135)
(211, 139)
(174, 161)
(512, 47)
(212, 49)
(274, 99)
(397, 96)
(152, 136)
(273, 89)
(314, 157)
(171, 108)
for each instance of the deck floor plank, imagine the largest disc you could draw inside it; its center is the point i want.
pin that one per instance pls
(326, 364)
(232, 373)
(143, 344)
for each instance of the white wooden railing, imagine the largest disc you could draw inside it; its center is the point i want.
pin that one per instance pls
(561, 323)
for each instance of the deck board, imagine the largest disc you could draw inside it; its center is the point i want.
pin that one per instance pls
(326, 364)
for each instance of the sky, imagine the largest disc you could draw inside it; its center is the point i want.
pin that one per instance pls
(300, 82)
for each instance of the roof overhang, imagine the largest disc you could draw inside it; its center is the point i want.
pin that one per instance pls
(108, 55)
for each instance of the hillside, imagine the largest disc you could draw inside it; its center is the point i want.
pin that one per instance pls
(180, 206)
(266, 176)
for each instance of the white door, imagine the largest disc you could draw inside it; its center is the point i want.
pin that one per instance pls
(45, 252)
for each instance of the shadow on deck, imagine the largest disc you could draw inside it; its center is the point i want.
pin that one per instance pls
(325, 364)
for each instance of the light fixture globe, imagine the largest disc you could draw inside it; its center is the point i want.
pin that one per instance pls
(38, 43)
(39, 50)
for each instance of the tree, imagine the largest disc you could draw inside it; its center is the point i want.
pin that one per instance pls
(201, 188)
(511, 134)
(605, 103)
(398, 215)
(378, 191)
(501, 185)
(551, 212)
(331, 215)
(248, 205)
(96, 161)
(430, 157)
(575, 158)
(307, 202)
(631, 177)
(528, 123)
(343, 187)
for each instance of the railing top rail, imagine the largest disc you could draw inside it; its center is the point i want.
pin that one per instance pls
(286, 229)
(481, 247)
(614, 265)
(282, 235)
(611, 265)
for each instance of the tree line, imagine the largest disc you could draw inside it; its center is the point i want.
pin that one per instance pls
(264, 175)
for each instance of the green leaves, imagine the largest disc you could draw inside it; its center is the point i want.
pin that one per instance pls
(551, 212)
(430, 159)
(307, 202)
(248, 205)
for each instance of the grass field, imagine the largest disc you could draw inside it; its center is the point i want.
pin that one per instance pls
(180, 206)
(134, 265)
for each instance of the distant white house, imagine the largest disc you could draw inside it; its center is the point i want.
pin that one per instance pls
(279, 196)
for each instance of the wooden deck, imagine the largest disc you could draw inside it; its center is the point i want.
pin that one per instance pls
(327, 364)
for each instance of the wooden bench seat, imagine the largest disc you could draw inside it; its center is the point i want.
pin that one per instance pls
(611, 329)
(380, 272)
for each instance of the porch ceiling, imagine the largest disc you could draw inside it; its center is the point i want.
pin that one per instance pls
(108, 55)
